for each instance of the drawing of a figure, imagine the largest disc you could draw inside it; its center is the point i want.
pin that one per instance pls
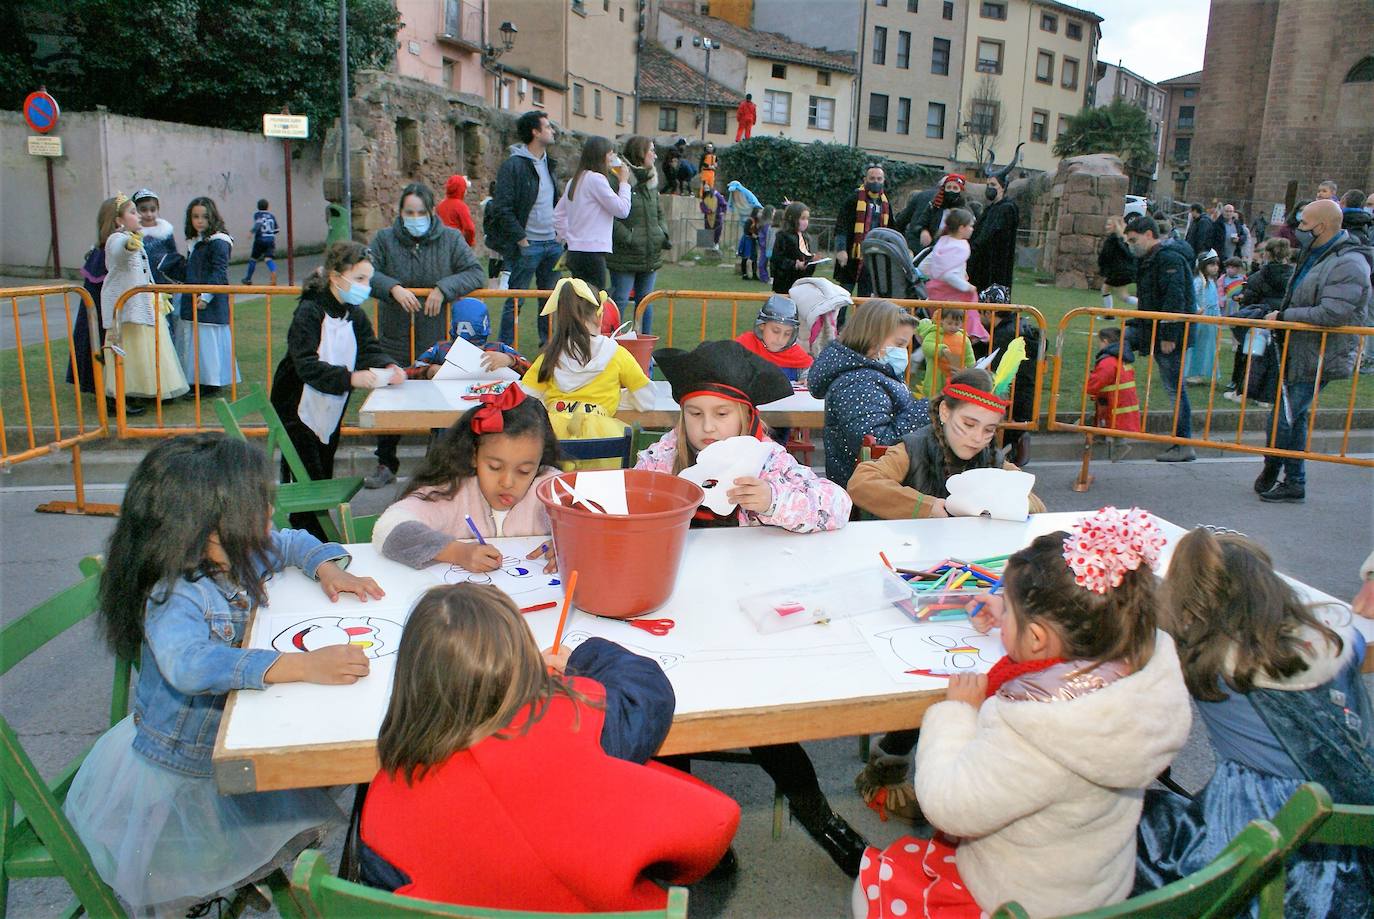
(377, 637)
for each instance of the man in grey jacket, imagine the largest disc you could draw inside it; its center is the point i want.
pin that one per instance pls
(1331, 287)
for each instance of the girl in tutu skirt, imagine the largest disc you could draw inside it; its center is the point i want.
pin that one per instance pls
(188, 562)
(204, 341)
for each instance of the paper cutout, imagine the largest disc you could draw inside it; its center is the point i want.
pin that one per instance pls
(721, 463)
(1002, 494)
(464, 362)
(915, 652)
(523, 580)
(376, 636)
(986, 362)
(604, 487)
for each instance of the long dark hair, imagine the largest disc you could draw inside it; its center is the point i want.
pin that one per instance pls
(593, 160)
(1223, 597)
(184, 490)
(1117, 625)
(637, 147)
(215, 223)
(340, 257)
(568, 332)
(421, 191)
(791, 218)
(453, 457)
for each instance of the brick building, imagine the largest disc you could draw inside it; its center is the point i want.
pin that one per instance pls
(1287, 100)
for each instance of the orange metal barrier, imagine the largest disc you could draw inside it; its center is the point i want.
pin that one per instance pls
(1212, 422)
(673, 325)
(56, 414)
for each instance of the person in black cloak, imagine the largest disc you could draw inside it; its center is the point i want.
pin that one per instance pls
(993, 260)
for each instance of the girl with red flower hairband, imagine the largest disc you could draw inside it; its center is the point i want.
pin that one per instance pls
(1025, 769)
(483, 470)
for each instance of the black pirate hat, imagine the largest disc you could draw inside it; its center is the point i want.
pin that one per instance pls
(725, 369)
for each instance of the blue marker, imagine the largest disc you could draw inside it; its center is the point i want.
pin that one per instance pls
(977, 607)
(472, 526)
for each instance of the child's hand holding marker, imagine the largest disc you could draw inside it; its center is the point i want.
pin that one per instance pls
(557, 659)
(985, 613)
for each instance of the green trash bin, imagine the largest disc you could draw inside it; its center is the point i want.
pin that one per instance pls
(337, 218)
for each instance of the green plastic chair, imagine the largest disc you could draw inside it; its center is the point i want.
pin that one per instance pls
(356, 529)
(36, 839)
(304, 495)
(1309, 817)
(317, 893)
(1219, 891)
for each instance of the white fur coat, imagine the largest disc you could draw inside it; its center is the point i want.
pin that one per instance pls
(1045, 796)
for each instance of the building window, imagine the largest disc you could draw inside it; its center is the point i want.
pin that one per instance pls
(877, 112)
(1190, 92)
(408, 155)
(780, 71)
(1362, 72)
(605, 6)
(1185, 117)
(596, 102)
(913, 6)
(622, 14)
(1073, 30)
(579, 7)
(1062, 127)
(447, 74)
(879, 45)
(935, 120)
(989, 56)
(579, 99)
(903, 50)
(715, 121)
(1049, 22)
(1044, 67)
(947, 12)
(1040, 126)
(619, 109)
(939, 56)
(537, 95)
(993, 10)
(984, 120)
(822, 78)
(777, 107)
(903, 116)
(667, 119)
(880, 2)
(1069, 77)
(820, 113)
(1183, 147)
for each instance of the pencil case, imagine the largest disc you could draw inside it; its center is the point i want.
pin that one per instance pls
(852, 593)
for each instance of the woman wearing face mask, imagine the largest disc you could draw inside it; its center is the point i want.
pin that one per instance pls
(864, 393)
(417, 250)
(330, 352)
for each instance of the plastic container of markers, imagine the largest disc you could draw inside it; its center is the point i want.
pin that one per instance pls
(938, 605)
(852, 593)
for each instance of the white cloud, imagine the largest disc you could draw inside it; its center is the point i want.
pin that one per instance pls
(1158, 39)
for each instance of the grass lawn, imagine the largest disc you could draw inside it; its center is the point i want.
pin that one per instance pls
(721, 319)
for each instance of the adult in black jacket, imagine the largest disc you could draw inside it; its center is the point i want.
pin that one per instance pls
(867, 208)
(1355, 220)
(993, 244)
(1200, 230)
(1164, 284)
(330, 351)
(1262, 294)
(518, 221)
(1007, 328)
(791, 254)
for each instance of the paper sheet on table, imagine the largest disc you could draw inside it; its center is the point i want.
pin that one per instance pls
(1002, 494)
(464, 362)
(721, 463)
(913, 652)
(606, 487)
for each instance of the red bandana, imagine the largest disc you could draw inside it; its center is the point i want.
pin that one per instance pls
(1006, 670)
(792, 358)
(731, 394)
(975, 396)
(489, 418)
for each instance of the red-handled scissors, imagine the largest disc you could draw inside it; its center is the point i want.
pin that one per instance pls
(652, 626)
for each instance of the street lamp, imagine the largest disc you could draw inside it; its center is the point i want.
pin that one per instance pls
(710, 44)
(491, 56)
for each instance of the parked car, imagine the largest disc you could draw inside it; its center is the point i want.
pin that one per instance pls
(1137, 204)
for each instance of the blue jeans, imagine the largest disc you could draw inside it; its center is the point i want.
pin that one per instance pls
(1170, 368)
(535, 262)
(1295, 401)
(642, 283)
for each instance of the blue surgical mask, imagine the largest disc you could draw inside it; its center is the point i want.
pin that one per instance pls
(1304, 237)
(356, 294)
(897, 358)
(416, 226)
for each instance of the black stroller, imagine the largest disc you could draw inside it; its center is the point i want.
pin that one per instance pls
(887, 260)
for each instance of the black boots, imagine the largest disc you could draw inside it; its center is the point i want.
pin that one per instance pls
(834, 834)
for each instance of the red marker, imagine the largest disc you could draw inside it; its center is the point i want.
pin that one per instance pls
(934, 673)
(538, 606)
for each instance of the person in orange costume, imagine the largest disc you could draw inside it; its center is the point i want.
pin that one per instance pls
(453, 210)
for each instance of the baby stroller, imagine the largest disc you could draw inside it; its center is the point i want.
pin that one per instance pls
(887, 260)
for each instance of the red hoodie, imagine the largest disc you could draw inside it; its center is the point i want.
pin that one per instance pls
(453, 210)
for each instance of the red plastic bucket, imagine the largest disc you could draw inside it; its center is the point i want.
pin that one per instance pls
(626, 565)
(641, 349)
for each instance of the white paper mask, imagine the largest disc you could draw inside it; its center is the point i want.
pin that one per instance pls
(721, 463)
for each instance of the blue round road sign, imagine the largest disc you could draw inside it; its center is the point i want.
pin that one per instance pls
(40, 111)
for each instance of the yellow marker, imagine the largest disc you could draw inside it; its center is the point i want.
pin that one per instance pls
(954, 585)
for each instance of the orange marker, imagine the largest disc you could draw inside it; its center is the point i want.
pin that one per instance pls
(563, 617)
(883, 556)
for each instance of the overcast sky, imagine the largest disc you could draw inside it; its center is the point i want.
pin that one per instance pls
(1158, 39)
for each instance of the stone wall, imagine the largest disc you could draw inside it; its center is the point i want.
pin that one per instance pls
(1083, 193)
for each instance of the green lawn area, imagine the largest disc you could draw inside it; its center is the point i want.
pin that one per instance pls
(722, 319)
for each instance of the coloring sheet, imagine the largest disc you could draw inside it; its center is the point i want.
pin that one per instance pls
(1002, 494)
(721, 463)
(375, 635)
(520, 578)
(464, 362)
(917, 652)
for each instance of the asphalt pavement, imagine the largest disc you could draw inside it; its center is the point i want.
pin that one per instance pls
(57, 700)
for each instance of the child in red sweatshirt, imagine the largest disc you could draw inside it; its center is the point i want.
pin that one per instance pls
(453, 210)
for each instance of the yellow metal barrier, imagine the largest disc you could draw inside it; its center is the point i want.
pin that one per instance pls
(42, 399)
(1232, 421)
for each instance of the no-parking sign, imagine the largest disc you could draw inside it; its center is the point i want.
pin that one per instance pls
(41, 111)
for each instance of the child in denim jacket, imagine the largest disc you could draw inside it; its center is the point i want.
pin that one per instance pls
(188, 562)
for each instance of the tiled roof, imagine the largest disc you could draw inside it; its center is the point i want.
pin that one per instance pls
(767, 45)
(1194, 77)
(664, 78)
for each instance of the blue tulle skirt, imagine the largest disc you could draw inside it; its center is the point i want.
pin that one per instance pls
(216, 360)
(1178, 837)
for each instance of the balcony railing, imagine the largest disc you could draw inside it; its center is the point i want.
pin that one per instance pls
(463, 22)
